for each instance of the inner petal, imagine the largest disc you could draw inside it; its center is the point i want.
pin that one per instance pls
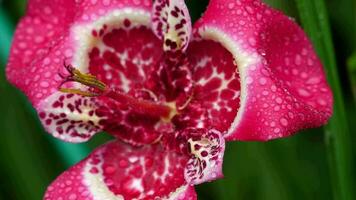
(143, 173)
(125, 58)
(216, 97)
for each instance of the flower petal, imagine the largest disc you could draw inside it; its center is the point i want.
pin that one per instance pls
(206, 162)
(205, 149)
(217, 87)
(29, 67)
(70, 117)
(171, 22)
(55, 32)
(283, 86)
(119, 171)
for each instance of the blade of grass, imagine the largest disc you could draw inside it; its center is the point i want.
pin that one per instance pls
(314, 19)
(351, 68)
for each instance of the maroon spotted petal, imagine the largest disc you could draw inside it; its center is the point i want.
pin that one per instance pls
(118, 171)
(171, 22)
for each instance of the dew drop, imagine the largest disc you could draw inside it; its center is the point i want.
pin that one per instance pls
(249, 80)
(72, 197)
(298, 60)
(252, 41)
(279, 100)
(290, 115)
(265, 93)
(277, 108)
(231, 5)
(284, 121)
(322, 102)
(303, 92)
(313, 80)
(44, 84)
(263, 81)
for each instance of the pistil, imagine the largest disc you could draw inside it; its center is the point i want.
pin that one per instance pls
(97, 88)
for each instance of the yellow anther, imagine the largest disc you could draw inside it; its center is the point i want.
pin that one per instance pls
(85, 79)
(77, 91)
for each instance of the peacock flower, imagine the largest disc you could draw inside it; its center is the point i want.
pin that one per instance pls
(171, 94)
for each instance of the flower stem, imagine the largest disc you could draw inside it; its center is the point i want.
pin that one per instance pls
(314, 19)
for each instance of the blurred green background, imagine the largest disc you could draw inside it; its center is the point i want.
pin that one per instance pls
(315, 164)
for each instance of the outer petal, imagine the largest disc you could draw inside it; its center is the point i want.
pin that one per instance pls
(44, 26)
(56, 31)
(283, 86)
(119, 171)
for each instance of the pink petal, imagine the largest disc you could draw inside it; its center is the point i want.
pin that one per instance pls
(53, 32)
(171, 22)
(29, 68)
(283, 86)
(119, 171)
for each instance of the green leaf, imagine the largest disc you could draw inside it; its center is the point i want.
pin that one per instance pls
(314, 19)
(351, 67)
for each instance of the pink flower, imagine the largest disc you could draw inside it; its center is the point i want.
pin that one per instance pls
(243, 72)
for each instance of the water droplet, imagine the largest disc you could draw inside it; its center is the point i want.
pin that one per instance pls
(265, 93)
(72, 197)
(44, 84)
(304, 75)
(303, 92)
(284, 121)
(313, 80)
(252, 41)
(322, 102)
(277, 108)
(290, 115)
(298, 60)
(249, 80)
(231, 5)
(279, 100)
(263, 81)
(310, 62)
